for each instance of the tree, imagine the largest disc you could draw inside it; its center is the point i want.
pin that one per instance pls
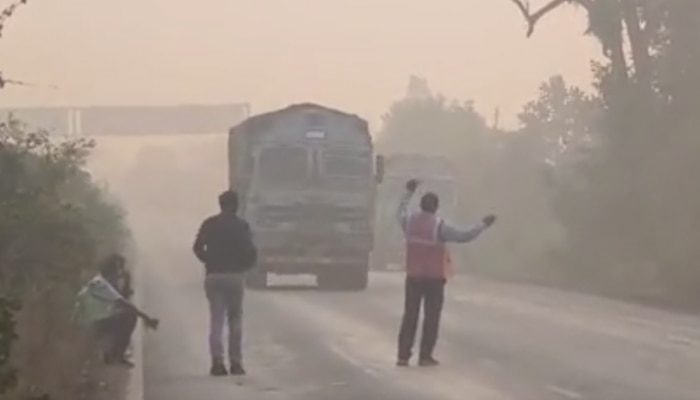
(418, 88)
(611, 22)
(5, 14)
(623, 224)
(426, 123)
(535, 163)
(558, 132)
(561, 121)
(677, 58)
(55, 222)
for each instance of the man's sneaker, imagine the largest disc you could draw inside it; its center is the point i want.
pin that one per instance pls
(402, 363)
(237, 369)
(428, 362)
(218, 369)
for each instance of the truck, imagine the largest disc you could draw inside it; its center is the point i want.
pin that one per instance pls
(435, 173)
(306, 176)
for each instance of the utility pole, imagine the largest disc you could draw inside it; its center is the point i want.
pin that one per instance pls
(71, 128)
(496, 119)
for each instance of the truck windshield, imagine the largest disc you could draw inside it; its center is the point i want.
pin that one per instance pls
(283, 165)
(346, 164)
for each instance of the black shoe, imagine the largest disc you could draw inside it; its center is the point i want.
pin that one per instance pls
(428, 362)
(218, 369)
(402, 363)
(237, 369)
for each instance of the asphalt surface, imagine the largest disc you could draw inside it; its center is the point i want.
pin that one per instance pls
(498, 341)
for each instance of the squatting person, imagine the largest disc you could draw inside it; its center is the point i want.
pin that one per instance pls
(103, 306)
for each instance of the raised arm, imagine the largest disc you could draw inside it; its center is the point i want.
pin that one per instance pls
(104, 291)
(402, 212)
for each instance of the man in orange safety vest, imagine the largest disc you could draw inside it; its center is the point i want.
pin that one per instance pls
(428, 265)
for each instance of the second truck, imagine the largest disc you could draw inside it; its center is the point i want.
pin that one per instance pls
(436, 175)
(307, 177)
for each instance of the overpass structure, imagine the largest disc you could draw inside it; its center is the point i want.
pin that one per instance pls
(131, 120)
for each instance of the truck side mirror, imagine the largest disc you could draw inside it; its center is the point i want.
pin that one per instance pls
(379, 168)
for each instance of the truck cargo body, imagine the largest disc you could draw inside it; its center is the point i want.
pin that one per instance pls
(307, 183)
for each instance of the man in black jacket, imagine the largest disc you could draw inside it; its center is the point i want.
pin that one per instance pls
(224, 244)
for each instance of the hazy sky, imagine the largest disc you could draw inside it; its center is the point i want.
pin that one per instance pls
(352, 54)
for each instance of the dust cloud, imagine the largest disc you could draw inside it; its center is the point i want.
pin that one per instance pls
(167, 185)
(591, 189)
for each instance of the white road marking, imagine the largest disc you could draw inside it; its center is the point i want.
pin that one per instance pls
(600, 324)
(682, 340)
(569, 394)
(340, 352)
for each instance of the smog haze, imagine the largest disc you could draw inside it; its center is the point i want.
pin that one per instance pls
(352, 54)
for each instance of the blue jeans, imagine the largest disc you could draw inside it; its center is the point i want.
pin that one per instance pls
(225, 297)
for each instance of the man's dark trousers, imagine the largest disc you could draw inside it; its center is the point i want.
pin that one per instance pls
(225, 294)
(116, 330)
(430, 292)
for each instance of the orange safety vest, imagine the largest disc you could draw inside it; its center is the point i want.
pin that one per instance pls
(426, 254)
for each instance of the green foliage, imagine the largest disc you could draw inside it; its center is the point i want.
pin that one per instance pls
(562, 121)
(8, 335)
(55, 223)
(627, 204)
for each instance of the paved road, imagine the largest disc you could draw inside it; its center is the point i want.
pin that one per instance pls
(498, 341)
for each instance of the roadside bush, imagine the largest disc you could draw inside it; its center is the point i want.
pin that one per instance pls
(55, 223)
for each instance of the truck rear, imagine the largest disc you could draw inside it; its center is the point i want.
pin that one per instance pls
(307, 183)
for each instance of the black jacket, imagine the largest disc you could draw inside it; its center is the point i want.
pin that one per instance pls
(224, 244)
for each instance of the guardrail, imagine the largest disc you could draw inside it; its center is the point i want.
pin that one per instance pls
(92, 121)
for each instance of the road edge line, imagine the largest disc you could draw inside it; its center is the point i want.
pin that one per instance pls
(134, 386)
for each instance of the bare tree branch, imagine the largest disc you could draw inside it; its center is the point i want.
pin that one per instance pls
(4, 82)
(533, 18)
(5, 14)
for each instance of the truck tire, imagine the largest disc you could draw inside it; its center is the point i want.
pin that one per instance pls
(257, 279)
(357, 278)
(326, 280)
